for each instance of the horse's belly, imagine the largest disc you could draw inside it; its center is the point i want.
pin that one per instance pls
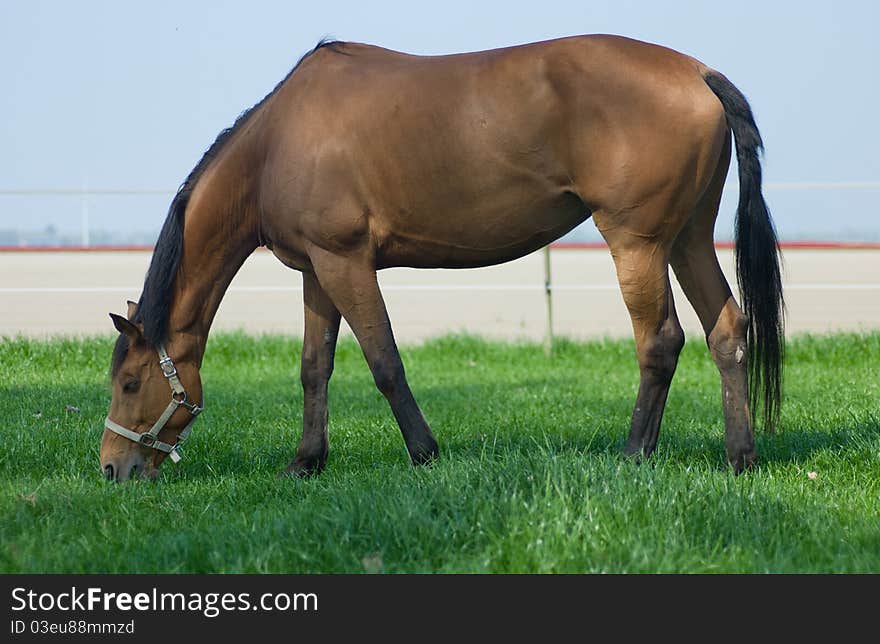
(482, 239)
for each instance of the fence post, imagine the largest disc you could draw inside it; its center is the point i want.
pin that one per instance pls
(84, 214)
(548, 291)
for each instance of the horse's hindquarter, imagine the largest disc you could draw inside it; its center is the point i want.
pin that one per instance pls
(462, 160)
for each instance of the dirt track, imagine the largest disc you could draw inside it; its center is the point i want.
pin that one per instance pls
(50, 293)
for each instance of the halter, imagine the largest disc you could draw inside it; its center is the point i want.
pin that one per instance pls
(178, 399)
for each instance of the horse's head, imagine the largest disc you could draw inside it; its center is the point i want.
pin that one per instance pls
(155, 401)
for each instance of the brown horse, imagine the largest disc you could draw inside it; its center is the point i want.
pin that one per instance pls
(364, 158)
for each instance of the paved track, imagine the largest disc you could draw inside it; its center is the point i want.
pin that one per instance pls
(50, 293)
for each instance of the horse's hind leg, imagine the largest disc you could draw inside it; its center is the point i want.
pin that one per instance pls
(319, 348)
(352, 286)
(696, 267)
(644, 282)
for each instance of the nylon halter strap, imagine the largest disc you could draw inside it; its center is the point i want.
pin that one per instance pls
(178, 399)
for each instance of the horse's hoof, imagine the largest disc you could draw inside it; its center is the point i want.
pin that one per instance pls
(637, 454)
(303, 468)
(744, 461)
(425, 455)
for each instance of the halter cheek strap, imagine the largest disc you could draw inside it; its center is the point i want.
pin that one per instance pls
(178, 399)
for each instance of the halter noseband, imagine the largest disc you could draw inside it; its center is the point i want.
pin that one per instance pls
(178, 399)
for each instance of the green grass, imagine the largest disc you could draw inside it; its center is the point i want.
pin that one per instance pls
(531, 479)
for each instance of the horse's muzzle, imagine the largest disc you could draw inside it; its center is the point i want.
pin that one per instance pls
(131, 466)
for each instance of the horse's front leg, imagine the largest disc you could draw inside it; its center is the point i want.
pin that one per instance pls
(352, 285)
(319, 347)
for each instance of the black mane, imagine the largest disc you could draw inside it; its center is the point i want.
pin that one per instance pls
(154, 305)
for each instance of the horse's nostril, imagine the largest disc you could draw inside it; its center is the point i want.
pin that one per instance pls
(133, 473)
(109, 473)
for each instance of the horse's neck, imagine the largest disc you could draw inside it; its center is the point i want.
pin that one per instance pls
(221, 230)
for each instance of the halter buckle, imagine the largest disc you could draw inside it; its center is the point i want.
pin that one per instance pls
(168, 368)
(147, 439)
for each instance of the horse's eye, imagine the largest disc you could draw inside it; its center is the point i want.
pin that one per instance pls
(131, 386)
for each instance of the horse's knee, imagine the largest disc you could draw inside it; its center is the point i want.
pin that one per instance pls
(315, 372)
(388, 374)
(658, 356)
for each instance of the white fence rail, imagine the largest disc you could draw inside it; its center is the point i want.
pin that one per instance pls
(86, 194)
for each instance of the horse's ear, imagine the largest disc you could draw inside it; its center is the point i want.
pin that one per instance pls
(132, 307)
(127, 327)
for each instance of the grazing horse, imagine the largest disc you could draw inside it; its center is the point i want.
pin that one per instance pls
(364, 158)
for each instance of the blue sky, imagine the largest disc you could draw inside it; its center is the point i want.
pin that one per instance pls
(129, 95)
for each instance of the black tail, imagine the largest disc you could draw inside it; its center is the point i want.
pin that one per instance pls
(757, 257)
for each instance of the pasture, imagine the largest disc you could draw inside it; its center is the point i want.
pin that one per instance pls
(530, 480)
